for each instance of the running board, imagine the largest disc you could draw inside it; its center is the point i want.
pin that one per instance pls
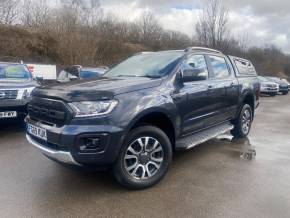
(202, 136)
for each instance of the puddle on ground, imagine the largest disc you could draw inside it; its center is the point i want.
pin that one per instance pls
(241, 146)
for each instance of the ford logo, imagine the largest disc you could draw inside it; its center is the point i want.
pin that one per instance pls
(2, 95)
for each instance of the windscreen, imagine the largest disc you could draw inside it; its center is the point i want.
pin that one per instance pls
(152, 65)
(14, 72)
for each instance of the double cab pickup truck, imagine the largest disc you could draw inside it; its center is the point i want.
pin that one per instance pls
(135, 116)
(16, 85)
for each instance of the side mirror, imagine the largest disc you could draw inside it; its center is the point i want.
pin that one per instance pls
(193, 74)
(72, 77)
(39, 78)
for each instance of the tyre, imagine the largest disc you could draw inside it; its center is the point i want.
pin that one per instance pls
(242, 125)
(144, 158)
(285, 93)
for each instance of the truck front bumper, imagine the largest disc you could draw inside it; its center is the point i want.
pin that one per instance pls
(70, 144)
(60, 156)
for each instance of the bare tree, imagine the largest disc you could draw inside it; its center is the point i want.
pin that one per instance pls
(212, 29)
(36, 14)
(150, 30)
(8, 11)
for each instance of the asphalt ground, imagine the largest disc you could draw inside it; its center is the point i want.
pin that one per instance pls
(224, 177)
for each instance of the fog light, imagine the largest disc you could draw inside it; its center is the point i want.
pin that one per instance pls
(90, 144)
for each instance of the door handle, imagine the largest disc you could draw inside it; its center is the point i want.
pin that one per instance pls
(210, 87)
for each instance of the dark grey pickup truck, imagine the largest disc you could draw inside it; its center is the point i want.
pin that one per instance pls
(16, 85)
(135, 116)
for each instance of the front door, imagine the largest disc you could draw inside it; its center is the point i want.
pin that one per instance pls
(197, 107)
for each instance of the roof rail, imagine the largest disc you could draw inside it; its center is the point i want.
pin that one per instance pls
(143, 52)
(202, 49)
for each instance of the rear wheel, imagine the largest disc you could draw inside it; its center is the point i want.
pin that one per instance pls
(243, 123)
(144, 158)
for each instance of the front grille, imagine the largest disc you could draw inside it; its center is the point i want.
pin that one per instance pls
(8, 94)
(49, 111)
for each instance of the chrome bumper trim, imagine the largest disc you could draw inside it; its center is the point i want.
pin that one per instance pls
(61, 156)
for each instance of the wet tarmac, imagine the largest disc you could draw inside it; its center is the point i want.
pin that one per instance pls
(224, 177)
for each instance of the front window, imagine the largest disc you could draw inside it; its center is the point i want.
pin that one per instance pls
(152, 65)
(196, 63)
(14, 72)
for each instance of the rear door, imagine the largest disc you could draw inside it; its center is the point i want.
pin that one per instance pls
(223, 89)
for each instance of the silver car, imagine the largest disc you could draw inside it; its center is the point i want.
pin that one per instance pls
(268, 87)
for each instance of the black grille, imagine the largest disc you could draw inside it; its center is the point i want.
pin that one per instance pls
(49, 111)
(8, 94)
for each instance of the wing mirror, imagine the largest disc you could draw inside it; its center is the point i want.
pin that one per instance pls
(39, 79)
(193, 74)
(72, 77)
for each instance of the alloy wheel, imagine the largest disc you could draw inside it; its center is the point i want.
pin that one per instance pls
(143, 158)
(246, 121)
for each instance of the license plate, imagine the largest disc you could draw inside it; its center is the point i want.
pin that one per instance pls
(8, 114)
(37, 132)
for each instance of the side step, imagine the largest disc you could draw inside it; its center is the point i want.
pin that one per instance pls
(202, 136)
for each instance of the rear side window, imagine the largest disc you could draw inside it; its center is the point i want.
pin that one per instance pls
(245, 67)
(220, 67)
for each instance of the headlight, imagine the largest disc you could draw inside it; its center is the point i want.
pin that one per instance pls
(27, 93)
(93, 108)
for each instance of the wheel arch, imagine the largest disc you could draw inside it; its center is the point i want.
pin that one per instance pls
(159, 118)
(248, 98)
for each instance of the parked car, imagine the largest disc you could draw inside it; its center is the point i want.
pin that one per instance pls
(16, 85)
(80, 73)
(139, 112)
(286, 81)
(283, 87)
(268, 87)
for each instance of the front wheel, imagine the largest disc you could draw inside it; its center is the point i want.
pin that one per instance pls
(144, 158)
(243, 123)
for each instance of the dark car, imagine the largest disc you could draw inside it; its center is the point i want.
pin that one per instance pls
(283, 86)
(80, 73)
(139, 112)
(286, 81)
(16, 85)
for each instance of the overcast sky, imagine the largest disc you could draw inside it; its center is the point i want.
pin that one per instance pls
(261, 21)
